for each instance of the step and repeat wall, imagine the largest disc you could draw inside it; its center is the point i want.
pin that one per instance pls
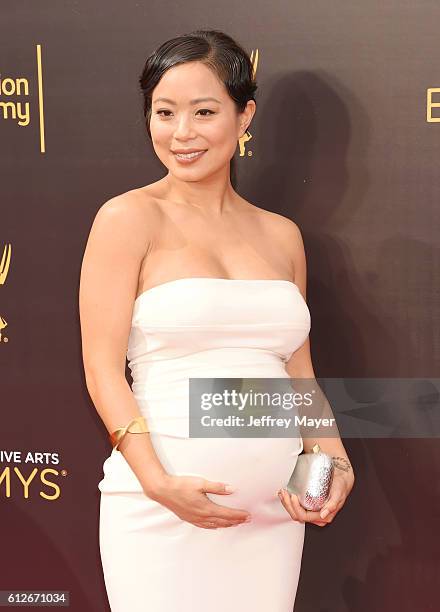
(345, 142)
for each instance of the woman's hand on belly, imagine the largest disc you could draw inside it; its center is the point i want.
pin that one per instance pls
(186, 497)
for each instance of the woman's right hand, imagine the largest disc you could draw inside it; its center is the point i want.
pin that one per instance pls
(186, 497)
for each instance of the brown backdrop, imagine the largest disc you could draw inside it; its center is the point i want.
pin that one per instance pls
(341, 143)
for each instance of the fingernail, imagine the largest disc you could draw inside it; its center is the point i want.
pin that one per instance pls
(229, 488)
(324, 513)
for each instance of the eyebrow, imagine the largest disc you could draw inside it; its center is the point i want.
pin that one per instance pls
(196, 101)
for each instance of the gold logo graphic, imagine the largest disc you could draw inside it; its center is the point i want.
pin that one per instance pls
(4, 264)
(12, 90)
(430, 104)
(26, 481)
(18, 481)
(15, 109)
(247, 135)
(4, 269)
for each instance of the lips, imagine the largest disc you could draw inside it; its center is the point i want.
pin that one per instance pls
(185, 151)
(189, 157)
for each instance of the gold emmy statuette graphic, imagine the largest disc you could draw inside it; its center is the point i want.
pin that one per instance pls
(3, 324)
(247, 135)
(4, 264)
(4, 269)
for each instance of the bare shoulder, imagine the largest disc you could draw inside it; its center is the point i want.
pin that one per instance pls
(281, 227)
(286, 235)
(133, 206)
(133, 214)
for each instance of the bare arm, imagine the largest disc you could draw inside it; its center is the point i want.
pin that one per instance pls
(108, 287)
(300, 363)
(118, 241)
(299, 367)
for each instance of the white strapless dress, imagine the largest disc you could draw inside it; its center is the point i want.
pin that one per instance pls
(152, 560)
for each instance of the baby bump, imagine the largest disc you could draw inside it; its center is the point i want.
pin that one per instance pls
(255, 467)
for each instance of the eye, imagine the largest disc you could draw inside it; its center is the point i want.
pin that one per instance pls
(202, 110)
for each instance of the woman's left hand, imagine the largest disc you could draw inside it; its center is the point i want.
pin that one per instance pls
(340, 488)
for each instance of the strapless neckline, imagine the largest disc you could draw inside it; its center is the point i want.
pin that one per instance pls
(215, 279)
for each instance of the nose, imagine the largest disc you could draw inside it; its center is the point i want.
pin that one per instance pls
(184, 128)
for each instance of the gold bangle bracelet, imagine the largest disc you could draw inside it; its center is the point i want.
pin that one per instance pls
(137, 425)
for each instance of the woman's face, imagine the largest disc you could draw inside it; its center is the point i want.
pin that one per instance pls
(191, 110)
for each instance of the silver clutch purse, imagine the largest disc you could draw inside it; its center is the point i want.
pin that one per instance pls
(311, 479)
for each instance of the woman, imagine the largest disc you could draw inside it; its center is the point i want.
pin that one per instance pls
(188, 279)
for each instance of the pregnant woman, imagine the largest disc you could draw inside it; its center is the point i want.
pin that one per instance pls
(187, 279)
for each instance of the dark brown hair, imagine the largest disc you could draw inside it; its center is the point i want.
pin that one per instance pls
(215, 49)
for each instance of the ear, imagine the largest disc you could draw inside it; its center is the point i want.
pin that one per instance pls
(247, 116)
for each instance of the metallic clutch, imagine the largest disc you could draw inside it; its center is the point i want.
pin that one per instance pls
(311, 479)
